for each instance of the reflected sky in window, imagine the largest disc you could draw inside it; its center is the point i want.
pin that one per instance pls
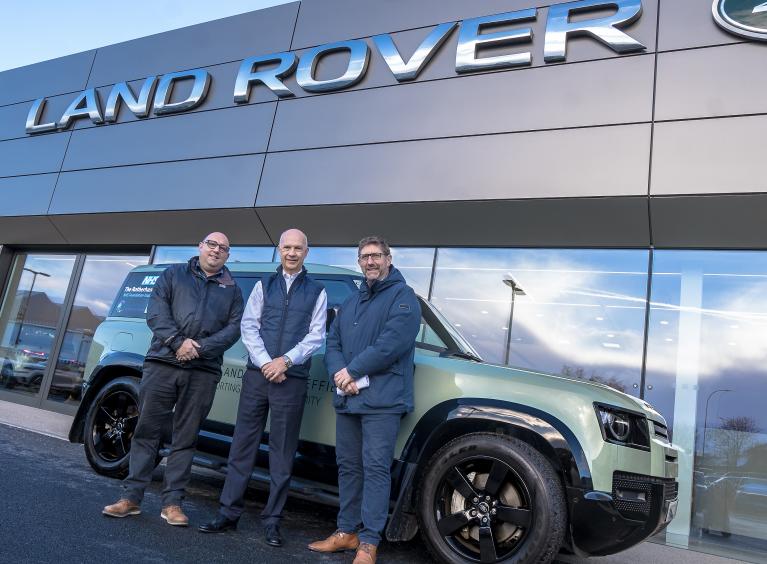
(581, 314)
(172, 254)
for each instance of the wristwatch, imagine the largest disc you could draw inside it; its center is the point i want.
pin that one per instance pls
(288, 362)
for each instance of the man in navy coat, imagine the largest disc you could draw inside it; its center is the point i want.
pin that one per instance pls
(369, 354)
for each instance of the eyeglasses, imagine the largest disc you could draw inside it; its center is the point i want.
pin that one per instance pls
(374, 256)
(213, 245)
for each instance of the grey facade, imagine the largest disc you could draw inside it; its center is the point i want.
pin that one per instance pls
(604, 150)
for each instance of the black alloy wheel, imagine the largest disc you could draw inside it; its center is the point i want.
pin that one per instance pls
(109, 426)
(490, 498)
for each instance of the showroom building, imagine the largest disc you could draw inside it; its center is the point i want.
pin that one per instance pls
(574, 184)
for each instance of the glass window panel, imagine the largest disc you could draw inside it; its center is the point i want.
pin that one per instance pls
(415, 264)
(100, 281)
(29, 316)
(707, 373)
(172, 254)
(577, 313)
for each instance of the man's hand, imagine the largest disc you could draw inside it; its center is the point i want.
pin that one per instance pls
(188, 350)
(274, 371)
(346, 382)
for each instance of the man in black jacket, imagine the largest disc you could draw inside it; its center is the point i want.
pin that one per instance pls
(194, 313)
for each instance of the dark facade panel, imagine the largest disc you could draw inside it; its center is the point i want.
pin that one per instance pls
(596, 161)
(209, 183)
(489, 103)
(219, 41)
(731, 221)
(689, 23)
(49, 78)
(326, 21)
(604, 222)
(34, 155)
(185, 136)
(185, 227)
(709, 156)
(718, 81)
(29, 230)
(26, 195)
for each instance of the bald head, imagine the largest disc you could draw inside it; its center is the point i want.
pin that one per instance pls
(292, 234)
(214, 251)
(294, 246)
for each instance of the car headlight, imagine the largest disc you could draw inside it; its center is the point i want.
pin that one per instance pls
(622, 427)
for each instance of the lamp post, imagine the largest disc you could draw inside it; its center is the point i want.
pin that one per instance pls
(35, 274)
(705, 420)
(516, 289)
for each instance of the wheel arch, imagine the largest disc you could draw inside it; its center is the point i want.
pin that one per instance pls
(111, 367)
(454, 418)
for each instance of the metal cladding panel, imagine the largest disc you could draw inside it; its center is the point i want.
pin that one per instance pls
(488, 103)
(229, 182)
(709, 156)
(166, 227)
(326, 21)
(57, 76)
(570, 222)
(721, 81)
(709, 222)
(220, 41)
(599, 161)
(34, 155)
(689, 23)
(26, 195)
(29, 230)
(13, 118)
(185, 136)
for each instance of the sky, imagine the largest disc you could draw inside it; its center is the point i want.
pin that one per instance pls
(31, 32)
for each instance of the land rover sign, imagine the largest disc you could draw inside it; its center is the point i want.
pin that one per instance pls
(747, 18)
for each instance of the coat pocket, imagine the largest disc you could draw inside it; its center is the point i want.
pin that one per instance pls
(386, 391)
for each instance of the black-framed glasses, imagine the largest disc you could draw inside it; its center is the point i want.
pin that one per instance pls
(213, 245)
(374, 256)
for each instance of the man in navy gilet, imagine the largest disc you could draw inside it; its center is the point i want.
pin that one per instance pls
(283, 324)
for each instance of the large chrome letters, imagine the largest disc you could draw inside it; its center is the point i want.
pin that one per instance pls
(270, 71)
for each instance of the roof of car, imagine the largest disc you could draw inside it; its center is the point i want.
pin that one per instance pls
(262, 267)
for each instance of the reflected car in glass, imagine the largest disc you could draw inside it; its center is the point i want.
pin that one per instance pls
(495, 464)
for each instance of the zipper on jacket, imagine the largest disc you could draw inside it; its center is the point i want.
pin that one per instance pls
(285, 310)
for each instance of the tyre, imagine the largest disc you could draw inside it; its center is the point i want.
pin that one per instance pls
(109, 426)
(486, 497)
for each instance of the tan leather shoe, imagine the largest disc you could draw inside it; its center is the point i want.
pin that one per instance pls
(174, 516)
(366, 554)
(122, 508)
(337, 542)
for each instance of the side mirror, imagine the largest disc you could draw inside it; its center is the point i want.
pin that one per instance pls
(332, 311)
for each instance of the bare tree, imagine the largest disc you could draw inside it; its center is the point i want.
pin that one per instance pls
(733, 437)
(579, 373)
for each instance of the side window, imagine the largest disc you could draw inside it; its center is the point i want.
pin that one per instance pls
(337, 290)
(428, 339)
(246, 284)
(133, 297)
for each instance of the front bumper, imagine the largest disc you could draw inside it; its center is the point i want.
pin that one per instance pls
(605, 523)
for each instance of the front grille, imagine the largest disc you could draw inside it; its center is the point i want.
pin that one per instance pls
(660, 430)
(633, 493)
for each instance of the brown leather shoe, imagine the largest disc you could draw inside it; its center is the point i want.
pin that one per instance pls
(337, 542)
(366, 554)
(122, 508)
(174, 516)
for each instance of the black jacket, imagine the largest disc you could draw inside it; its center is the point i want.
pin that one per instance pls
(185, 303)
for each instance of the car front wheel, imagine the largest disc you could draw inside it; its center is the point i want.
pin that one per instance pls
(491, 498)
(109, 426)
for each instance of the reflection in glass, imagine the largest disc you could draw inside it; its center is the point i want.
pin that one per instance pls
(99, 283)
(577, 313)
(29, 316)
(414, 263)
(172, 254)
(706, 372)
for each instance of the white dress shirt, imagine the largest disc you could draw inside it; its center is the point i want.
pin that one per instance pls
(251, 327)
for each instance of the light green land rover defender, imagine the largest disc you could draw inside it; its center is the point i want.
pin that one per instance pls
(495, 464)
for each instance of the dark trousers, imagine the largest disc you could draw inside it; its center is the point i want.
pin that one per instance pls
(163, 387)
(364, 453)
(286, 402)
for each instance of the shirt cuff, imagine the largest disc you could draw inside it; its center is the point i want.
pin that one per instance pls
(261, 359)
